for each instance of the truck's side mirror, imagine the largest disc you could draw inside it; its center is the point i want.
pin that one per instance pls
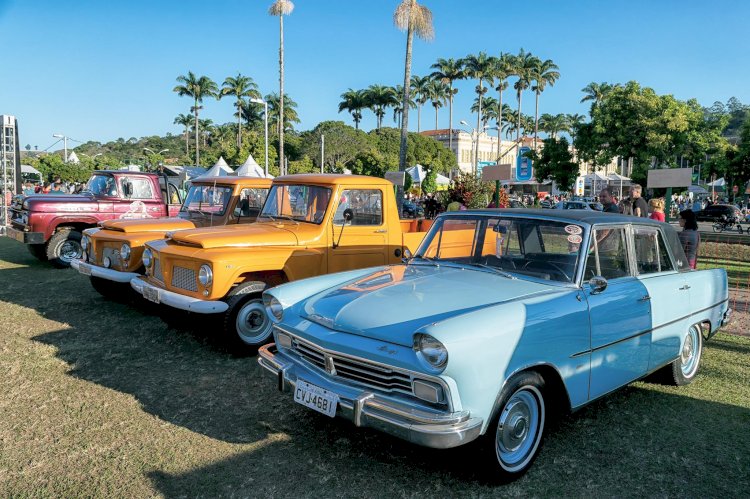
(348, 215)
(127, 189)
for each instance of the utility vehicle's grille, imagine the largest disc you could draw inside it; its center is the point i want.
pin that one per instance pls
(184, 278)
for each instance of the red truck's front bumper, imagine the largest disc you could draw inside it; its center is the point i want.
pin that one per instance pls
(25, 237)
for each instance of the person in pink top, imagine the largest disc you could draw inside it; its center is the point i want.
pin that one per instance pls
(656, 206)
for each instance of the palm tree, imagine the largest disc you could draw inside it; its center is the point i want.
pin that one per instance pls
(274, 112)
(448, 71)
(489, 109)
(252, 112)
(500, 73)
(544, 73)
(419, 88)
(378, 98)
(281, 8)
(414, 19)
(185, 120)
(398, 111)
(574, 121)
(597, 92)
(197, 88)
(438, 94)
(553, 124)
(240, 87)
(523, 65)
(479, 67)
(353, 101)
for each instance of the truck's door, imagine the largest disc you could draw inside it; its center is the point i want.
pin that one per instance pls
(361, 241)
(138, 198)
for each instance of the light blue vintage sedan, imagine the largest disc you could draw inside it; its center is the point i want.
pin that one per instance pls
(500, 318)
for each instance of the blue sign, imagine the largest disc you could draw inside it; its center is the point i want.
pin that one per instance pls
(523, 165)
(481, 165)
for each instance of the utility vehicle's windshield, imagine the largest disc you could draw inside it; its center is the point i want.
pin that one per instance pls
(207, 199)
(303, 203)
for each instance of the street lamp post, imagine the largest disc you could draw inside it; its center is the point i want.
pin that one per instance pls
(474, 142)
(155, 153)
(265, 123)
(65, 145)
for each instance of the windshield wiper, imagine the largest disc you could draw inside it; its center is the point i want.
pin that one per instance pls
(426, 259)
(490, 267)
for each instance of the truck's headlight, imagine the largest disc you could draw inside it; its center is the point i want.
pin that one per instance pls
(148, 257)
(430, 350)
(125, 251)
(25, 205)
(205, 275)
(274, 307)
(85, 243)
(107, 262)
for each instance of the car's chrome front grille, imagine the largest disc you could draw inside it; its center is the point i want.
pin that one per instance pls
(157, 270)
(114, 257)
(374, 375)
(184, 278)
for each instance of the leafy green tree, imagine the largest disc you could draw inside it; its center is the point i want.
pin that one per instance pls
(469, 190)
(740, 162)
(197, 88)
(239, 87)
(342, 145)
(555, 162)
(429, 184)
(281, 8)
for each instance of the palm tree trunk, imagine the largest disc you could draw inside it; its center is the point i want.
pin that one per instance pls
(518, 124)
(436, 117)
(450, 118)
(187, 141)
(239, 125)
(419, 117)
(405, 121)
(281, 95)
(499, 119)
(536, 119)
(197, 137)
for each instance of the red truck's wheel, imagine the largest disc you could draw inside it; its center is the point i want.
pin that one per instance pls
(64, 247)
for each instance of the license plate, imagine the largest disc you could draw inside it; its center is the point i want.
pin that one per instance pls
(15, 234)
(84, 268)
(316, 398)
(151, 294)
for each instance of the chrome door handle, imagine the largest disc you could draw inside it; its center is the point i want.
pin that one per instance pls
(644, 298)
(381, 231)
(685, 287)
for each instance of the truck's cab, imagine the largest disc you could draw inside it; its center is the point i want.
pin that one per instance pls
(310, 225)
(52, 225)
(112, 252)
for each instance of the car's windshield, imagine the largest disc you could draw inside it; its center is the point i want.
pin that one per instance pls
(542, 249)
(207, 199)
(303, 203)
(102, 185)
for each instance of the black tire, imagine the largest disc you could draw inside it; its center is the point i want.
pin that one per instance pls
(685, 369)
(110, 290)
(245, 325)
(63, 247)
(718, 228)
(522, 404)
(38, 251)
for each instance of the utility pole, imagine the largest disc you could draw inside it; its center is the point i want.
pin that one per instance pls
(322, 151)
(65, 145)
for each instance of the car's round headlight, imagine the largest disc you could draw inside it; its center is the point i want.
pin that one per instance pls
(431, 350)
(107, 262)
(85, 243)
(125, 251)
(148, 257)
(205, 276)
(274, 307)
(25, 205)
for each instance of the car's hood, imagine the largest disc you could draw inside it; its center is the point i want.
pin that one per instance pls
(236, 236)
(148, 225)
(392, 304)
(53, 202)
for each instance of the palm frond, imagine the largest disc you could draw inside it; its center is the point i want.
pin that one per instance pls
(281, 8)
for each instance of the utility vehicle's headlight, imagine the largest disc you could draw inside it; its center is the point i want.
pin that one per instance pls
(205, 275)
(125, 251)
(148, 257)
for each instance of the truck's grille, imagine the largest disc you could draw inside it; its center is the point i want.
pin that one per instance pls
(373, 375)
(157, 270)
(184, 278)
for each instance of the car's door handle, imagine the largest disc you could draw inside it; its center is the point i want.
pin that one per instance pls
(381, 231)
(644, 298)
(685, 287)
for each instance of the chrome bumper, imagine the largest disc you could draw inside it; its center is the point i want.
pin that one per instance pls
(179, 301)
(727, 317)
(367, 409)
(102, 273)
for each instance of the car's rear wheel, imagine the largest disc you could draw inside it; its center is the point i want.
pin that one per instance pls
(684, 370)
(515, 434)
(64, 247)
(246, 324)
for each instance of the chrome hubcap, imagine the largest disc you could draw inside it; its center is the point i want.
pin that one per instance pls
(519, 428)
(70, 250)
(253, 325)
(690, 354)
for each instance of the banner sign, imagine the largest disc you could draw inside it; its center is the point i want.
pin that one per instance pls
(523, 165)
(496, 172)
(481, 165)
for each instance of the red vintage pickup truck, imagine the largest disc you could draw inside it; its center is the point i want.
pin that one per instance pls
(51, 224)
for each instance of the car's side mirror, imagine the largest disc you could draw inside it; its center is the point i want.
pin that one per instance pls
(127, 189)
(597, 284)
(407, 255)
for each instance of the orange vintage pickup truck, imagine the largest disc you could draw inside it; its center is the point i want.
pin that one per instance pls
(112, 253)
(310, 225)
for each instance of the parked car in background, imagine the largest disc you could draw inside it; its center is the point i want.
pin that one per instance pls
(500, 319)
(516, 203)
(310, 225)
(52, 226)
(547, 203)
(714, 213)
(112, 253)
(579, 205)
(410, 209)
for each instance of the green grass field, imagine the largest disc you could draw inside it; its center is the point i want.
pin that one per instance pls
(101, 400)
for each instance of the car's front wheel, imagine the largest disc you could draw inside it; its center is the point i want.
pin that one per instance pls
(246, 324)
(515, 434)
(64, 247)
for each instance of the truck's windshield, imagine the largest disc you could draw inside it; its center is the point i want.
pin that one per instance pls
(304, 203)
(102, 185)
(207, 200)
(542, 249)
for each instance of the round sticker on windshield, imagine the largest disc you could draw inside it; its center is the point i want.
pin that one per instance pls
(575, 239)
(573, 229)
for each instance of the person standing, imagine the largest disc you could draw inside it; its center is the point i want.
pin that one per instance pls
(640, 208)
(689, 236)
(657, 209)
(608, 201)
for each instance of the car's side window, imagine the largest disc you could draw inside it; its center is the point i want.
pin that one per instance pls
(141, 188)
(249, 204)
(608, 254)
(366, 206)
(651, 254)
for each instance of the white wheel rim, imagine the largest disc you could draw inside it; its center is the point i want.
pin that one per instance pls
(252, 324)
(519, 428)
(70, 250)
(691, 352)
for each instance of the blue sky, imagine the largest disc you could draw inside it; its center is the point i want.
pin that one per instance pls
(101, 70)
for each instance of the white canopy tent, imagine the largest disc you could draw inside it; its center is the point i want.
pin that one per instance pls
(251, 168)
(30, 170)
(719, 182)
(220, 169)
(418, 174)
(697, 189)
